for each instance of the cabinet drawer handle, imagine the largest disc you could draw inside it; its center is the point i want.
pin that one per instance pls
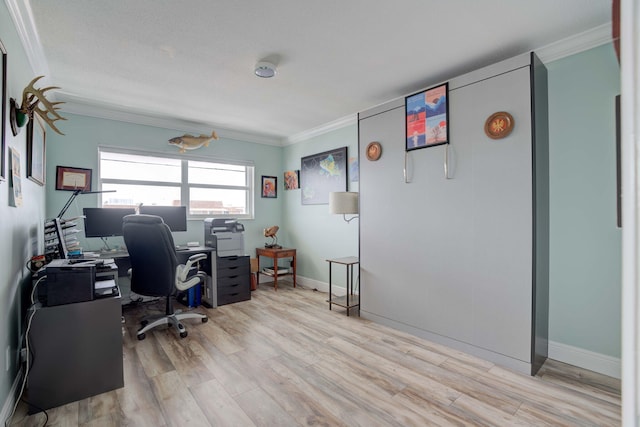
(233, 277)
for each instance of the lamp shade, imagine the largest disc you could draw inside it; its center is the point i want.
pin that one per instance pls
(343, 202)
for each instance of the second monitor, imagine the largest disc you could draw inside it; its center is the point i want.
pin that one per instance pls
(174, 216)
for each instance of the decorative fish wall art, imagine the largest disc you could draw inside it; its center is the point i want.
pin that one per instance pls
(190, 142)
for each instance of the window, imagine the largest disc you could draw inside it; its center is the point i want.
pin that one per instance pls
(206, 187)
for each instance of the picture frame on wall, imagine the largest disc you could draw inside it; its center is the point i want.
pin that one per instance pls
(323, 173)
(36, 150)
(3, 112)
(427, 118)
(269, 187)
(292, 180)
(72, 179)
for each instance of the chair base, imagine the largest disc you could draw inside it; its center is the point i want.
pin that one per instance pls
(174, 319)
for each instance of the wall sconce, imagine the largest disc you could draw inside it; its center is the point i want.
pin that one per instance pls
(345, 203)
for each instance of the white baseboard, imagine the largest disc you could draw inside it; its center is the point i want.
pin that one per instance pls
(305, 282)
(596, 362)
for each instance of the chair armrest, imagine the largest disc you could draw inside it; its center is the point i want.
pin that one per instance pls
(182, 271)
(196, 257)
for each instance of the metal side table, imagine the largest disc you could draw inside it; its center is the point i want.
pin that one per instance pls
(347, 301)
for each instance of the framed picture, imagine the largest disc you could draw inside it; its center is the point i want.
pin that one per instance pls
(427, 118)
(323, 173)
(72, 179)
(292, 180)
(269, 187)
(15, 195)
(3, 112)
(36, 150)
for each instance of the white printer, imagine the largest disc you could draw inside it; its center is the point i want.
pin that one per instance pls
(225, 235)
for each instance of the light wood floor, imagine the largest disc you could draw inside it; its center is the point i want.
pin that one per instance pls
(284, 359)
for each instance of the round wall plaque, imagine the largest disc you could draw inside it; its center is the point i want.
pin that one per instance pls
(374, 151)
(499, 125)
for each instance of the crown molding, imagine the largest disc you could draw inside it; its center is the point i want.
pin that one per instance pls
(22, 17)
(328, 127)
(75, 105)
(577, 43)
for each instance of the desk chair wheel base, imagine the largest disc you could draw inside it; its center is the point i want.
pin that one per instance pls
(173, 319)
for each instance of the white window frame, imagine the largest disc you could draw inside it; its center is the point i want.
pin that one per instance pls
(184, 184)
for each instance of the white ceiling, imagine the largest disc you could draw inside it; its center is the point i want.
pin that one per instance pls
(193, 60)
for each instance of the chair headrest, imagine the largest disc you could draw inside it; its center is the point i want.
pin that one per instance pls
(142, 219)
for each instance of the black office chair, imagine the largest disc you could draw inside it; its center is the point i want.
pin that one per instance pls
(155, 270)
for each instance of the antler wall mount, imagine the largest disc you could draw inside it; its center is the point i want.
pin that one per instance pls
(32, 99)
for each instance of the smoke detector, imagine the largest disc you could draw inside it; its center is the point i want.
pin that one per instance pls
(265, 69)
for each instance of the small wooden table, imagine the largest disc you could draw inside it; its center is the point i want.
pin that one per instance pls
(276, 254)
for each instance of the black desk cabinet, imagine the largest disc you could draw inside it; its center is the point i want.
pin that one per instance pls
(234, 279)
(76, 352)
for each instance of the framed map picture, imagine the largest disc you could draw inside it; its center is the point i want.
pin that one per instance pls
(323, 173)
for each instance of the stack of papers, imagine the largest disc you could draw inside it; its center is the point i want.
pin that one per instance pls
(271, 272)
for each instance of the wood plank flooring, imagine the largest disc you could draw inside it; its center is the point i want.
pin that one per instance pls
(284, 359)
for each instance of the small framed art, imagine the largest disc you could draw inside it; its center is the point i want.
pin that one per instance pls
(269, 187)
(291, 180)
(72, 179)
(427, 118)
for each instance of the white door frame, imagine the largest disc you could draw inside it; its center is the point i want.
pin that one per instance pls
(630, 127)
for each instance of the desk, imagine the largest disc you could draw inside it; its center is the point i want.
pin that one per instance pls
(349, 262)
(208, 265)
(76, 352)
(276, 254)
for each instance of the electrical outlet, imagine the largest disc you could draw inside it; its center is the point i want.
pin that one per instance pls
(7, 358)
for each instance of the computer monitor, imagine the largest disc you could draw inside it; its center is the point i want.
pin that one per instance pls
(104, 222)
(174, 216)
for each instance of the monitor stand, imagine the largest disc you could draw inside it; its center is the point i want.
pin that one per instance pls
(106, 247)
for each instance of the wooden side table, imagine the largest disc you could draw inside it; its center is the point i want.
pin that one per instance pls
(276, 254)
(344, 301)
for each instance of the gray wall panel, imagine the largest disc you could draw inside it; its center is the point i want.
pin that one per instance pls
(453, 257)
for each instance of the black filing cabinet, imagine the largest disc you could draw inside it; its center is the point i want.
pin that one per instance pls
(234, 279)
(76, 351)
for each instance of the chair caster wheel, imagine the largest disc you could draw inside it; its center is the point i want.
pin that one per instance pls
(141, 337)
(183, 334)
(205, 319)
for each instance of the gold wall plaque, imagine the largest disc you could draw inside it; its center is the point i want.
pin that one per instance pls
(499, 125)
(374, 151)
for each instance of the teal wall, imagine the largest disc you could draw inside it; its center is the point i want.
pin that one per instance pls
(20, 227)
(585, 281)
(79, 148)
(317, 234)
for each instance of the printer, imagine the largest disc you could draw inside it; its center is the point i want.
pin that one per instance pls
(67, 282)
(225, 235)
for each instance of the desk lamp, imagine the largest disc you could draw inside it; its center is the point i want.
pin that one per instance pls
(345, 203)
